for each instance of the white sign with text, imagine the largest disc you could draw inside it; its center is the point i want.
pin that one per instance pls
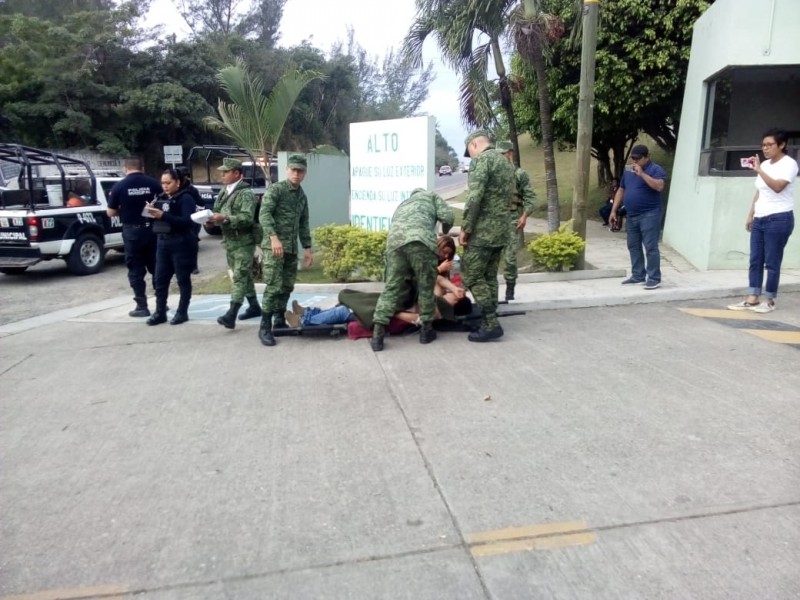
(388, 159)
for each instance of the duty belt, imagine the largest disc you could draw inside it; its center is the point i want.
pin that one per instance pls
(135, 225)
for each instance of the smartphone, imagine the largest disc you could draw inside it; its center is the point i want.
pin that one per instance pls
(747, 163)
(629, 168)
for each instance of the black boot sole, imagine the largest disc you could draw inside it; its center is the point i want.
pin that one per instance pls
(225, 323)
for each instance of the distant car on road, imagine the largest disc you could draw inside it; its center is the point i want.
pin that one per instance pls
(465, 168)
(445, 170)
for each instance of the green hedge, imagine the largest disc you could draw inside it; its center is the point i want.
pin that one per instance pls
(351, 252)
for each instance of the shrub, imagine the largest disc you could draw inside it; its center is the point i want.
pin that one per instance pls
(351, 252)
(557, 251)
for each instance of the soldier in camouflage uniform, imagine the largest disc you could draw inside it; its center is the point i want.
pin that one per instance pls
(284, 218)
(412, 254)
(234, 212)
(522, 204)
(484, 231)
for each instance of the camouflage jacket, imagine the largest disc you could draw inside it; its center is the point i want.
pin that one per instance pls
(415, 220)
(489, 196)
(525, 197)
(284, 212)
(240, 207)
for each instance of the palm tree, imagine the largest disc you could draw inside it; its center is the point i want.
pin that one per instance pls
(253, 119)
(533, 30)
(455, 24)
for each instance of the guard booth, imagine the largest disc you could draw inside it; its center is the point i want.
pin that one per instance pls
(743, 78)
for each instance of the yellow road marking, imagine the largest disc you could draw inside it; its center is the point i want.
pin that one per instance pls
(715, 313)
(541, 536)
(780, 337)
(541, 543)
(71, 594)
(527, 531)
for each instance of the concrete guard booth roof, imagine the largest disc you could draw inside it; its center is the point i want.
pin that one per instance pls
(743, 78)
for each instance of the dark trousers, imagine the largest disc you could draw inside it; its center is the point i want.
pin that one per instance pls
(140, 256)
(768, 238)
(176, 255)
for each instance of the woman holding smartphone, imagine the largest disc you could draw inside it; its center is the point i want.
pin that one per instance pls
(177, 246)
(770, 221)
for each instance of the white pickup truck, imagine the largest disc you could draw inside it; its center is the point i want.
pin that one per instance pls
(55, 207)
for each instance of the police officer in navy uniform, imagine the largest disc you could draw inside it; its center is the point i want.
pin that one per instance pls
(177, 246)
(127, 200)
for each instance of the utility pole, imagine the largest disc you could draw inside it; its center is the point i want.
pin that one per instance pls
(591, 11)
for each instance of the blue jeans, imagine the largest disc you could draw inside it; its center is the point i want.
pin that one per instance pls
(768, 238)
(332, 316)
(643, 231)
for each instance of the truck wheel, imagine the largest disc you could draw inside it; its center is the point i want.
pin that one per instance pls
(87, 256)
(13, 270)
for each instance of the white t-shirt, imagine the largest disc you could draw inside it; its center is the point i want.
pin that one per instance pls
(230, 187)
(769, 202)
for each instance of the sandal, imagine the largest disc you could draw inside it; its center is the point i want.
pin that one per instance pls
(743, 305)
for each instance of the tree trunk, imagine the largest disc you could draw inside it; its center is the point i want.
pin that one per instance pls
(505, 97)
(546, 117)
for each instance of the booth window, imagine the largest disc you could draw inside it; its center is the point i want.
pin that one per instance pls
(740, 103)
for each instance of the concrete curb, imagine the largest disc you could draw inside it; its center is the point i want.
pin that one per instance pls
(62, 315)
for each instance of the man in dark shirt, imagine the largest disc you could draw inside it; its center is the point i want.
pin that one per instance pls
(127, 200)
(641, 188)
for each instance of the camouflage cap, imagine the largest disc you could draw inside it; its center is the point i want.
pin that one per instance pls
(297, 161)
(230, 164)
(504, 146)
(474, 135)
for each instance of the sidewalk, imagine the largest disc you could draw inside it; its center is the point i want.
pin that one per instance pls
(607, 253)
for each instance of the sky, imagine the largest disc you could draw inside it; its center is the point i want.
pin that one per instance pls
(378, 26)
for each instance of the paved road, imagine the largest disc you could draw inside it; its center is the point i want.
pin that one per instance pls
(48, 286)
(631, 452)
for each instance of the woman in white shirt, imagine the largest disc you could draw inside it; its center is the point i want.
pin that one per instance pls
(771, 220)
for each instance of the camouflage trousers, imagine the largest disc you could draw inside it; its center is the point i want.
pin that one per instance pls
(413, 261)
(515, 241)
(239, 253)
(280, 273)
(479, 270)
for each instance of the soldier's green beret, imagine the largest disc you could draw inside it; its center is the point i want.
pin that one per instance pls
(504, 146)
(474, 135)
(230, 164)
(297, 161)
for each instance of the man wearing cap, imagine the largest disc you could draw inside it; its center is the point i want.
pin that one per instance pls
(484, 231)
(284, 219)
(234, 211)
(412, 255)
(641, 188)
(523, 201)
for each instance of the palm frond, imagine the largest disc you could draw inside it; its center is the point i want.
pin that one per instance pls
(251, 118)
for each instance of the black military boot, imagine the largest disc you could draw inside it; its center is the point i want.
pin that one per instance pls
(160, 316)
(279, 320)
(265, 331)
(181, 315)
(483, 334)
(510, 285)
(229, 318)
(427, 334)
(253, 310)
(141, 309)
(376, 341)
